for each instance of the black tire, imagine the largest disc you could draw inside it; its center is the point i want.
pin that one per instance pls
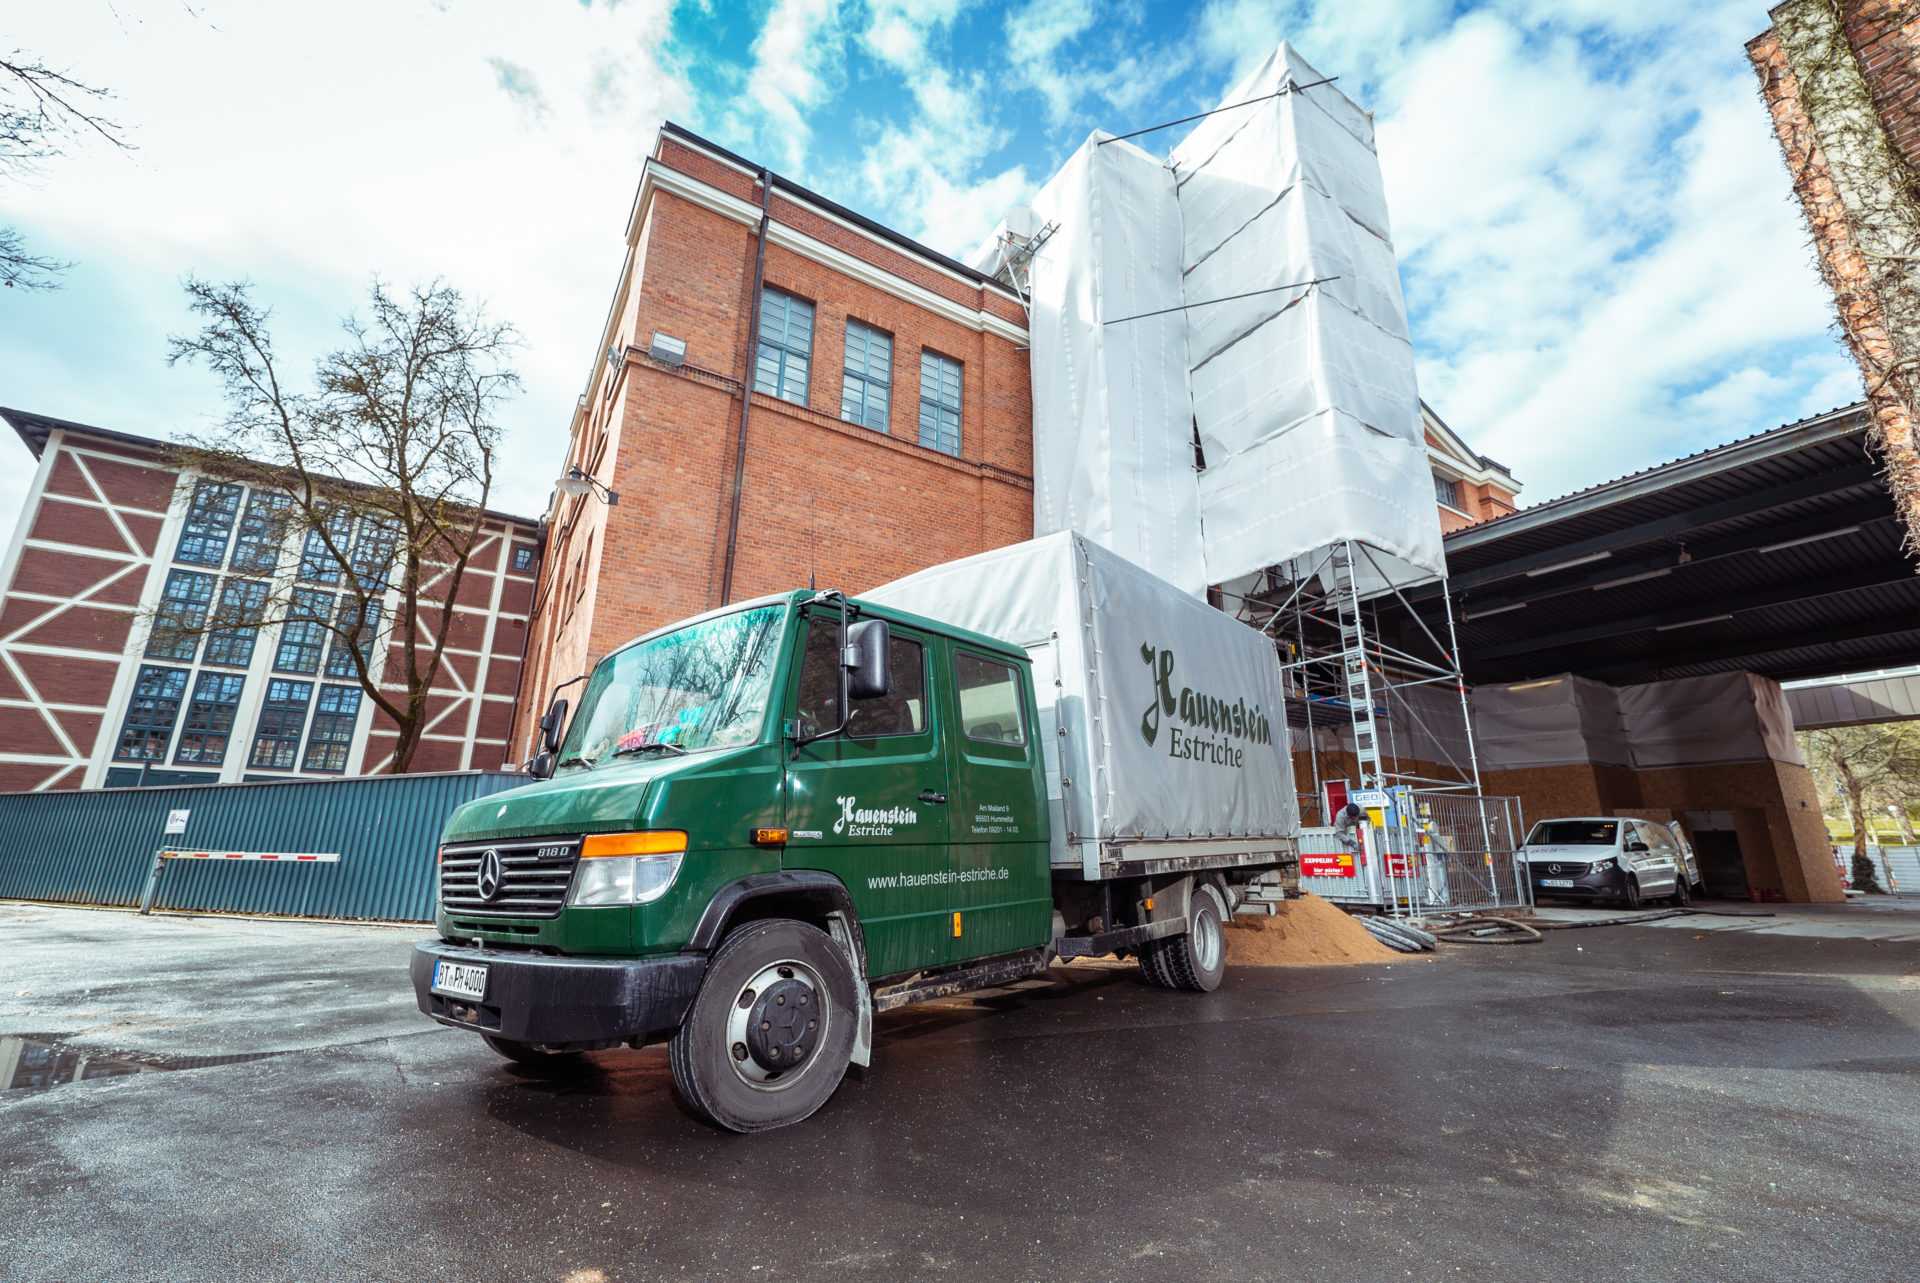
(532, 1057)
(718, 1077)
(1631, 895)
(1682, 893)
(1197, 960)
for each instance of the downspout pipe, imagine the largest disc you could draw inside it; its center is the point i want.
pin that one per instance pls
(746, 384)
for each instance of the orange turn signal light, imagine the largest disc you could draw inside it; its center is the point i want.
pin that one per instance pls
(770, 837)
(652, 842)
(956, 926)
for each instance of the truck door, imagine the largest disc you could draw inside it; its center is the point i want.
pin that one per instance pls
(870, 806)
(1003, 890)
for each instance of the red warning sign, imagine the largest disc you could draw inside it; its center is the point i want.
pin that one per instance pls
(1327, 865)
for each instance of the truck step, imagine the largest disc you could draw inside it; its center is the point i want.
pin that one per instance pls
(990, 974)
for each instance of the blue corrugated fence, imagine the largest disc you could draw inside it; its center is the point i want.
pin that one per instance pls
(95, 847)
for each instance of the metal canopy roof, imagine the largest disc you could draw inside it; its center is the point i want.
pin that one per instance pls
(1779, 554)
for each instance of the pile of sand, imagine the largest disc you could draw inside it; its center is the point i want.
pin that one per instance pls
(1304, 932)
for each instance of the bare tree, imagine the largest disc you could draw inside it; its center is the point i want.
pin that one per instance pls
(41, 112)
(379, 474)
(1865, 766)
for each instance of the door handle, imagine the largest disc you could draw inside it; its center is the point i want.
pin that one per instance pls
(929, 795)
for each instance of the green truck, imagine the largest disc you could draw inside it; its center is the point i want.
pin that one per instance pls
(765, 825)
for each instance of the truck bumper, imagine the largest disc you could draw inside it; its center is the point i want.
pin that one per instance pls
(562, 1002)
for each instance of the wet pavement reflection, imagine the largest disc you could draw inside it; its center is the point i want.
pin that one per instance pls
(35, 1062)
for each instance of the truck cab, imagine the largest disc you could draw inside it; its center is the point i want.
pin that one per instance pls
(754, 820)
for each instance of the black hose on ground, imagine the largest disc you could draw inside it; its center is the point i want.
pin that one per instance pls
(1487, 930)
(1397, 935)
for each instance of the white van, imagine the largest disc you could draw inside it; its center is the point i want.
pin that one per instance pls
(1609, 858)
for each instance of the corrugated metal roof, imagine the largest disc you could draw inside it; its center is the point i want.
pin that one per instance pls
(1780, 553)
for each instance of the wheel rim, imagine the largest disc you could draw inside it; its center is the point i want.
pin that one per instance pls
(1206, 940)
(777, 1023)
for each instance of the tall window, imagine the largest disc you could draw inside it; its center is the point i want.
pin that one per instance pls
(276, 740)
(866, 384)
(373, 548)
(317, 565)
(1446, 490)
(209, 725)
(150, 714)
(304, 635)
(361, 627)
(256, 547)
(940, 403)
(786, 346)
(178, 618)
(242, 601)
(332, 735)
(203, 540)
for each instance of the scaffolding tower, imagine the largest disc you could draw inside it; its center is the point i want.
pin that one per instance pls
(1354, 655)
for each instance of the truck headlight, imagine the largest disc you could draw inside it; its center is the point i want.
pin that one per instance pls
(627, 868)
(1601, 866)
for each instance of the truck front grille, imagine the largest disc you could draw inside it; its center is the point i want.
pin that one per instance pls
(1560, 869)
(533, 877)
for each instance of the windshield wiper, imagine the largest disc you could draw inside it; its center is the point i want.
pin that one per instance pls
(571, 761)
(641, 748)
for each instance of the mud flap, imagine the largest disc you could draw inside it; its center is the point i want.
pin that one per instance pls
(842, 933)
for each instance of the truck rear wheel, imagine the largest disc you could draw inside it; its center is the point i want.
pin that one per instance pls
(1196, 961)
(770, 1034)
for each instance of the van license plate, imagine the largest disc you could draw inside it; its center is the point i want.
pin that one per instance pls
(1545, 882)
(461, 979)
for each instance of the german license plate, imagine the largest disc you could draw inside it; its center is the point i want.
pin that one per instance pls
(461, 979)
(1545, 882)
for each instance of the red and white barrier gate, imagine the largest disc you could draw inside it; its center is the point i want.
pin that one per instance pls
(163, 855)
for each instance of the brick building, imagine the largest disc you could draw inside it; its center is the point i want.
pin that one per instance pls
(91, 696)
(889, 425)
(1841, 80)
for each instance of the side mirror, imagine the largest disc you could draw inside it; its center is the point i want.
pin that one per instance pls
(868, 676)
(541, 767)
(552, 723)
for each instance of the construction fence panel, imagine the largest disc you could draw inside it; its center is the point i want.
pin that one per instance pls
(1897, 867)
(1461, 853)
(96, 846)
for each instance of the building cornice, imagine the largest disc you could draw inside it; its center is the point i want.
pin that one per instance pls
(658, 176)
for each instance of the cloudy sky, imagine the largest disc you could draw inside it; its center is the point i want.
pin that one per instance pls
(1601, 258)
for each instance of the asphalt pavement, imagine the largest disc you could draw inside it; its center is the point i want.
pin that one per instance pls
(1618, 1102)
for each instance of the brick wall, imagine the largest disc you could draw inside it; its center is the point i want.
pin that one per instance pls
(1884, 36)
(845, 504)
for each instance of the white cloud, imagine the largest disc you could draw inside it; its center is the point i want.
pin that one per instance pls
(796, 58)
(299, 153)
(1035, 35)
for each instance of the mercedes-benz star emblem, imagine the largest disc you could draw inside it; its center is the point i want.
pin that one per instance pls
(488, 877)
(1551, 868)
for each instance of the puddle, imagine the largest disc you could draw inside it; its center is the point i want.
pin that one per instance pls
(35, 1062)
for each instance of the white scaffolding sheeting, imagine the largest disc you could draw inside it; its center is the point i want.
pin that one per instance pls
(1305, 400)
(1113, 425)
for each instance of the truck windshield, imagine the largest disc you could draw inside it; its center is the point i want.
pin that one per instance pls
(700, 687)
(1572, 833)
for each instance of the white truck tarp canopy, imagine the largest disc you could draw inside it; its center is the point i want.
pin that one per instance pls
(1174, 726)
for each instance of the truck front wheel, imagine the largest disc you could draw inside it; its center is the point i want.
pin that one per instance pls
(769, 1036)
(1197, 960)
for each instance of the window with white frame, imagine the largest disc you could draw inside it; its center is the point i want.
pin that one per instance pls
(210, 514)
(1447, 490)
(181, 614)
(331, 736)
(208, 727)
(283, 716)
(151, 713)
